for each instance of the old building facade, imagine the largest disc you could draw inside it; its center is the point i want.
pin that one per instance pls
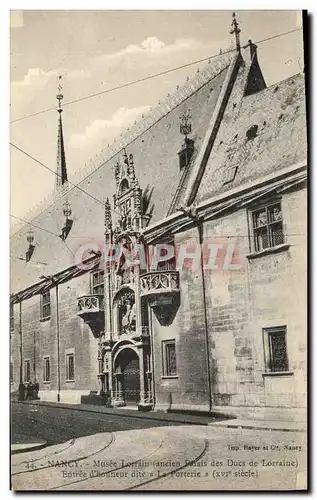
(100, 306)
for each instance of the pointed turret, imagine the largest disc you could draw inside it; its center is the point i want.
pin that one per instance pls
(61, 170)
(108, 220)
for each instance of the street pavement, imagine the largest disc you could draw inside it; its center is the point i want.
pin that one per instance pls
(55, 424)
(92, 451)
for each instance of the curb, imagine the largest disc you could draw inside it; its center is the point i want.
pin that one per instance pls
(143, 415)
(25, 447)
(255, 427)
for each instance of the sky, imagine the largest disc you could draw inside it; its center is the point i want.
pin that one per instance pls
(98, 50)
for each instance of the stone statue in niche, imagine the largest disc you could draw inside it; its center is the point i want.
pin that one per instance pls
(128, 319)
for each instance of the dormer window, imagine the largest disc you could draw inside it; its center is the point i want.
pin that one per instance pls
(187, 149)
(30, 240)
(186, 153)
(67, 211)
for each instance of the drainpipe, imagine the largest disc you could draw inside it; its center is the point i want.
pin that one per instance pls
(201, 234)
(53, 281)
(58, 356)
(192, 214)
(21, 340)
(152, 355)
(34, 354)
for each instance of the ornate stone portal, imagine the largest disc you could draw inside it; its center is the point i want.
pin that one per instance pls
(124, 349)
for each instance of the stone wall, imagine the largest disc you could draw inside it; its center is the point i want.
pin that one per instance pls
(40, 339)
(263, 292)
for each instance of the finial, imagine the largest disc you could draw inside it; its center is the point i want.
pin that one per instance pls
(67, 211)
(59, 95)
(117, 172)
(30, 236)
(131, 171)
(185, 126)
(235, 30)
(108, 222)
(125, 157)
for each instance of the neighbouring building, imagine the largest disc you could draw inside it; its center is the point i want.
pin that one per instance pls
(218, 172)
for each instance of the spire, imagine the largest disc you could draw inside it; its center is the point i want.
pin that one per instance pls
(61, 170)
(236, 31)
(131, 170)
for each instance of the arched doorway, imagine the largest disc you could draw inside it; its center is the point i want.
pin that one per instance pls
(127, 371)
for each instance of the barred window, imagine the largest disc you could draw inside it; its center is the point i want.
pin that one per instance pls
(70, 366)
(276, 359)
(27, 370)
(169, 358)
(97, 285)
(268, 227)
(46, 369)
(46, 305)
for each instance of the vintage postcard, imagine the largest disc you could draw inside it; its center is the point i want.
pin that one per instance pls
(158, 303)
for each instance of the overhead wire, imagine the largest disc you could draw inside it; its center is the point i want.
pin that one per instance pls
(42, 229)
(107, 91)
(149, 77)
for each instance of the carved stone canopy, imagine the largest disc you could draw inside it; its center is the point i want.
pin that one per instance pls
(128, 197)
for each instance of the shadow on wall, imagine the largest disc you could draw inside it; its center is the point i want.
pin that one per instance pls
(165, 309)
(146, 201)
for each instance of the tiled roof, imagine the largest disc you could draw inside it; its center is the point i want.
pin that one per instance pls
(154, 144)
(259, 134)
(148, 120)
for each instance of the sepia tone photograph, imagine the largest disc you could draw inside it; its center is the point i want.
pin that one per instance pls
(158, 241)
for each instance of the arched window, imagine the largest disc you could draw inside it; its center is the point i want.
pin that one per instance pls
(124, 186)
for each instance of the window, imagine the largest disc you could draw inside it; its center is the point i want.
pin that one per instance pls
(186, 153)
(230, 174)
(11, 317)
(275, 349)
(251, 133)
(70, 366)
(46, 369)
(46, 305)
(267, 227)
(169, 358)
(157, 261)
(27, 370)
(11, 372)
(97, 283)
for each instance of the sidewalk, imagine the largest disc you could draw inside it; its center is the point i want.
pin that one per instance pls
(268, 425)
(215, 419)
(26, 443)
